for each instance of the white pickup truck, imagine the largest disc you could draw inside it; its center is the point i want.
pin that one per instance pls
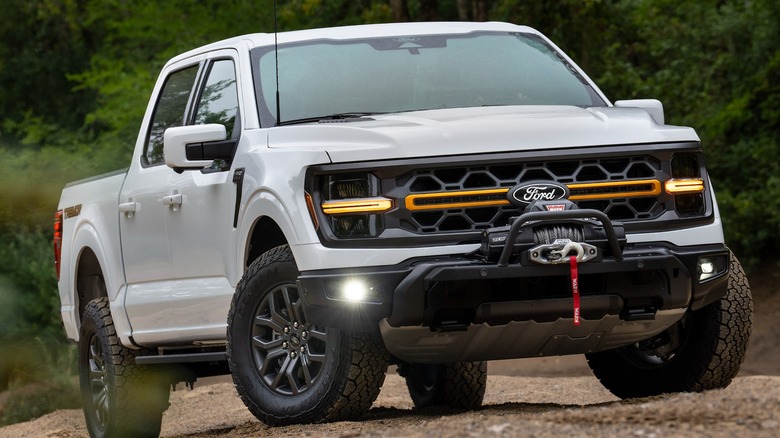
(303, 209)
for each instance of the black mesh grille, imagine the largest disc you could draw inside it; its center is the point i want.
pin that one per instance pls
(450, 200)
(505, 175)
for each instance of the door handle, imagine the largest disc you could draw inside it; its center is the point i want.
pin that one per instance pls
(173, 201)
(128, 208)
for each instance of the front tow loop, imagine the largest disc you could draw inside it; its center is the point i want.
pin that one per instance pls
(561, 250)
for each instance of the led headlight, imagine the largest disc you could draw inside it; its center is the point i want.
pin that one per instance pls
(686, 185)
(353, 205)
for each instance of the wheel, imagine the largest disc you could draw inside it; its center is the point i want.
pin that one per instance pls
(458, 385)
(703, 351)
(120, 399)
(287, 370)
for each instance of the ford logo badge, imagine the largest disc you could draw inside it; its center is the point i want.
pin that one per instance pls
(526, 193)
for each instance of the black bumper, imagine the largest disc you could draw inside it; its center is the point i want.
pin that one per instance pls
(450, 293)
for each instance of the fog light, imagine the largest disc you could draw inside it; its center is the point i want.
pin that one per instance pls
(355, 290)
(711, 267)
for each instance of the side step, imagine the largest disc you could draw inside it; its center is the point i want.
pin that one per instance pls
(166, 359)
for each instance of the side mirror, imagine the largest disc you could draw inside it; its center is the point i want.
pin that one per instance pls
(196, 146)
(653, 106)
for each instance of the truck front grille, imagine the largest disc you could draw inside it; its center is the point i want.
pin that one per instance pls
(451, 199)
(470, 198)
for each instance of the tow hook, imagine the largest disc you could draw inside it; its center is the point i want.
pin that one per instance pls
(560, 250)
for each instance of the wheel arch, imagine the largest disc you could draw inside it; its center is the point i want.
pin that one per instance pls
(264, 235)
(267, 222)
(90, 281)
(92, 275)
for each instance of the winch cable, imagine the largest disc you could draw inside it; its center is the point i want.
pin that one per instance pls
(548, 234)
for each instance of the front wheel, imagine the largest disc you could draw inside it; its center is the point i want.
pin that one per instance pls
(459, 385)
(703, 351)
(286, 369)
(120, 399)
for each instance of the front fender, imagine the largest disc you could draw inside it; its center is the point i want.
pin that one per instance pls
(274, 188)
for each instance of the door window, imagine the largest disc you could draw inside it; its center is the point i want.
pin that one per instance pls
(218, 102)
(170, 111)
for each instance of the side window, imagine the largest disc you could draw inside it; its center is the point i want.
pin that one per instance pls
(170, 111)
(218, 102)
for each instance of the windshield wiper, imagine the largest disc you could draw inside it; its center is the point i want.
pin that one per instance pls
(338, 117)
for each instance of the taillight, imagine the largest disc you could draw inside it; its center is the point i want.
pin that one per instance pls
(57, 241)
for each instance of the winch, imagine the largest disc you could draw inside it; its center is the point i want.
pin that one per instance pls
(550, 232)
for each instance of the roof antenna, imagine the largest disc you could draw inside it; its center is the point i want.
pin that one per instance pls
(276, 58)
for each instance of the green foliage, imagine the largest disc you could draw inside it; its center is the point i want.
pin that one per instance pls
(37, 377)
(307, 14)
(28, 287)
(37, 369)
(43, 42)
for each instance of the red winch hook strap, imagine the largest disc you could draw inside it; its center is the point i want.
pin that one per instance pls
(575, 289)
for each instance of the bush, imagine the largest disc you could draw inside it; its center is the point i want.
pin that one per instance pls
(28, 285)
(37, 367)
(38, 377)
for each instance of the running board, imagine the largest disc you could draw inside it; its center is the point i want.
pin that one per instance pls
(212, 356)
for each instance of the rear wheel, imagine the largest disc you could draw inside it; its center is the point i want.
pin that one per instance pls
(458, 385)
(288, 370)
(119, 397)
(703, 351)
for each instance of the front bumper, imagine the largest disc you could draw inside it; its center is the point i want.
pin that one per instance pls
(450, 293)
(451, 309)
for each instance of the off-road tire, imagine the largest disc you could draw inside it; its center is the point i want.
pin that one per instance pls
(267, 370)
(120, 398)
(458, 385)
(713, 343)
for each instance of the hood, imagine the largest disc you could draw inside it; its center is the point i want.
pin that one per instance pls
(476, 130)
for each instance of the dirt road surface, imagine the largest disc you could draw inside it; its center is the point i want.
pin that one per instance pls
(547, 397)
(515, 406)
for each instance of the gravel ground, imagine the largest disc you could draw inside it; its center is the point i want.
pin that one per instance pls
(514, 406)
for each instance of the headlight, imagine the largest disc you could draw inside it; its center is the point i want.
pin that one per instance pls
(686, 185)
(353, 205)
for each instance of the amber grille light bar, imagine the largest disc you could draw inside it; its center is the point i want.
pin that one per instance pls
(497, 197)
(357, 206)
(617, 189)
(462, 199)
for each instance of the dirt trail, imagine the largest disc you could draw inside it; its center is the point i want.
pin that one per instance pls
(515, 406)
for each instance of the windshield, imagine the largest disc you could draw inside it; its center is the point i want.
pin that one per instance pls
(385, 75)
